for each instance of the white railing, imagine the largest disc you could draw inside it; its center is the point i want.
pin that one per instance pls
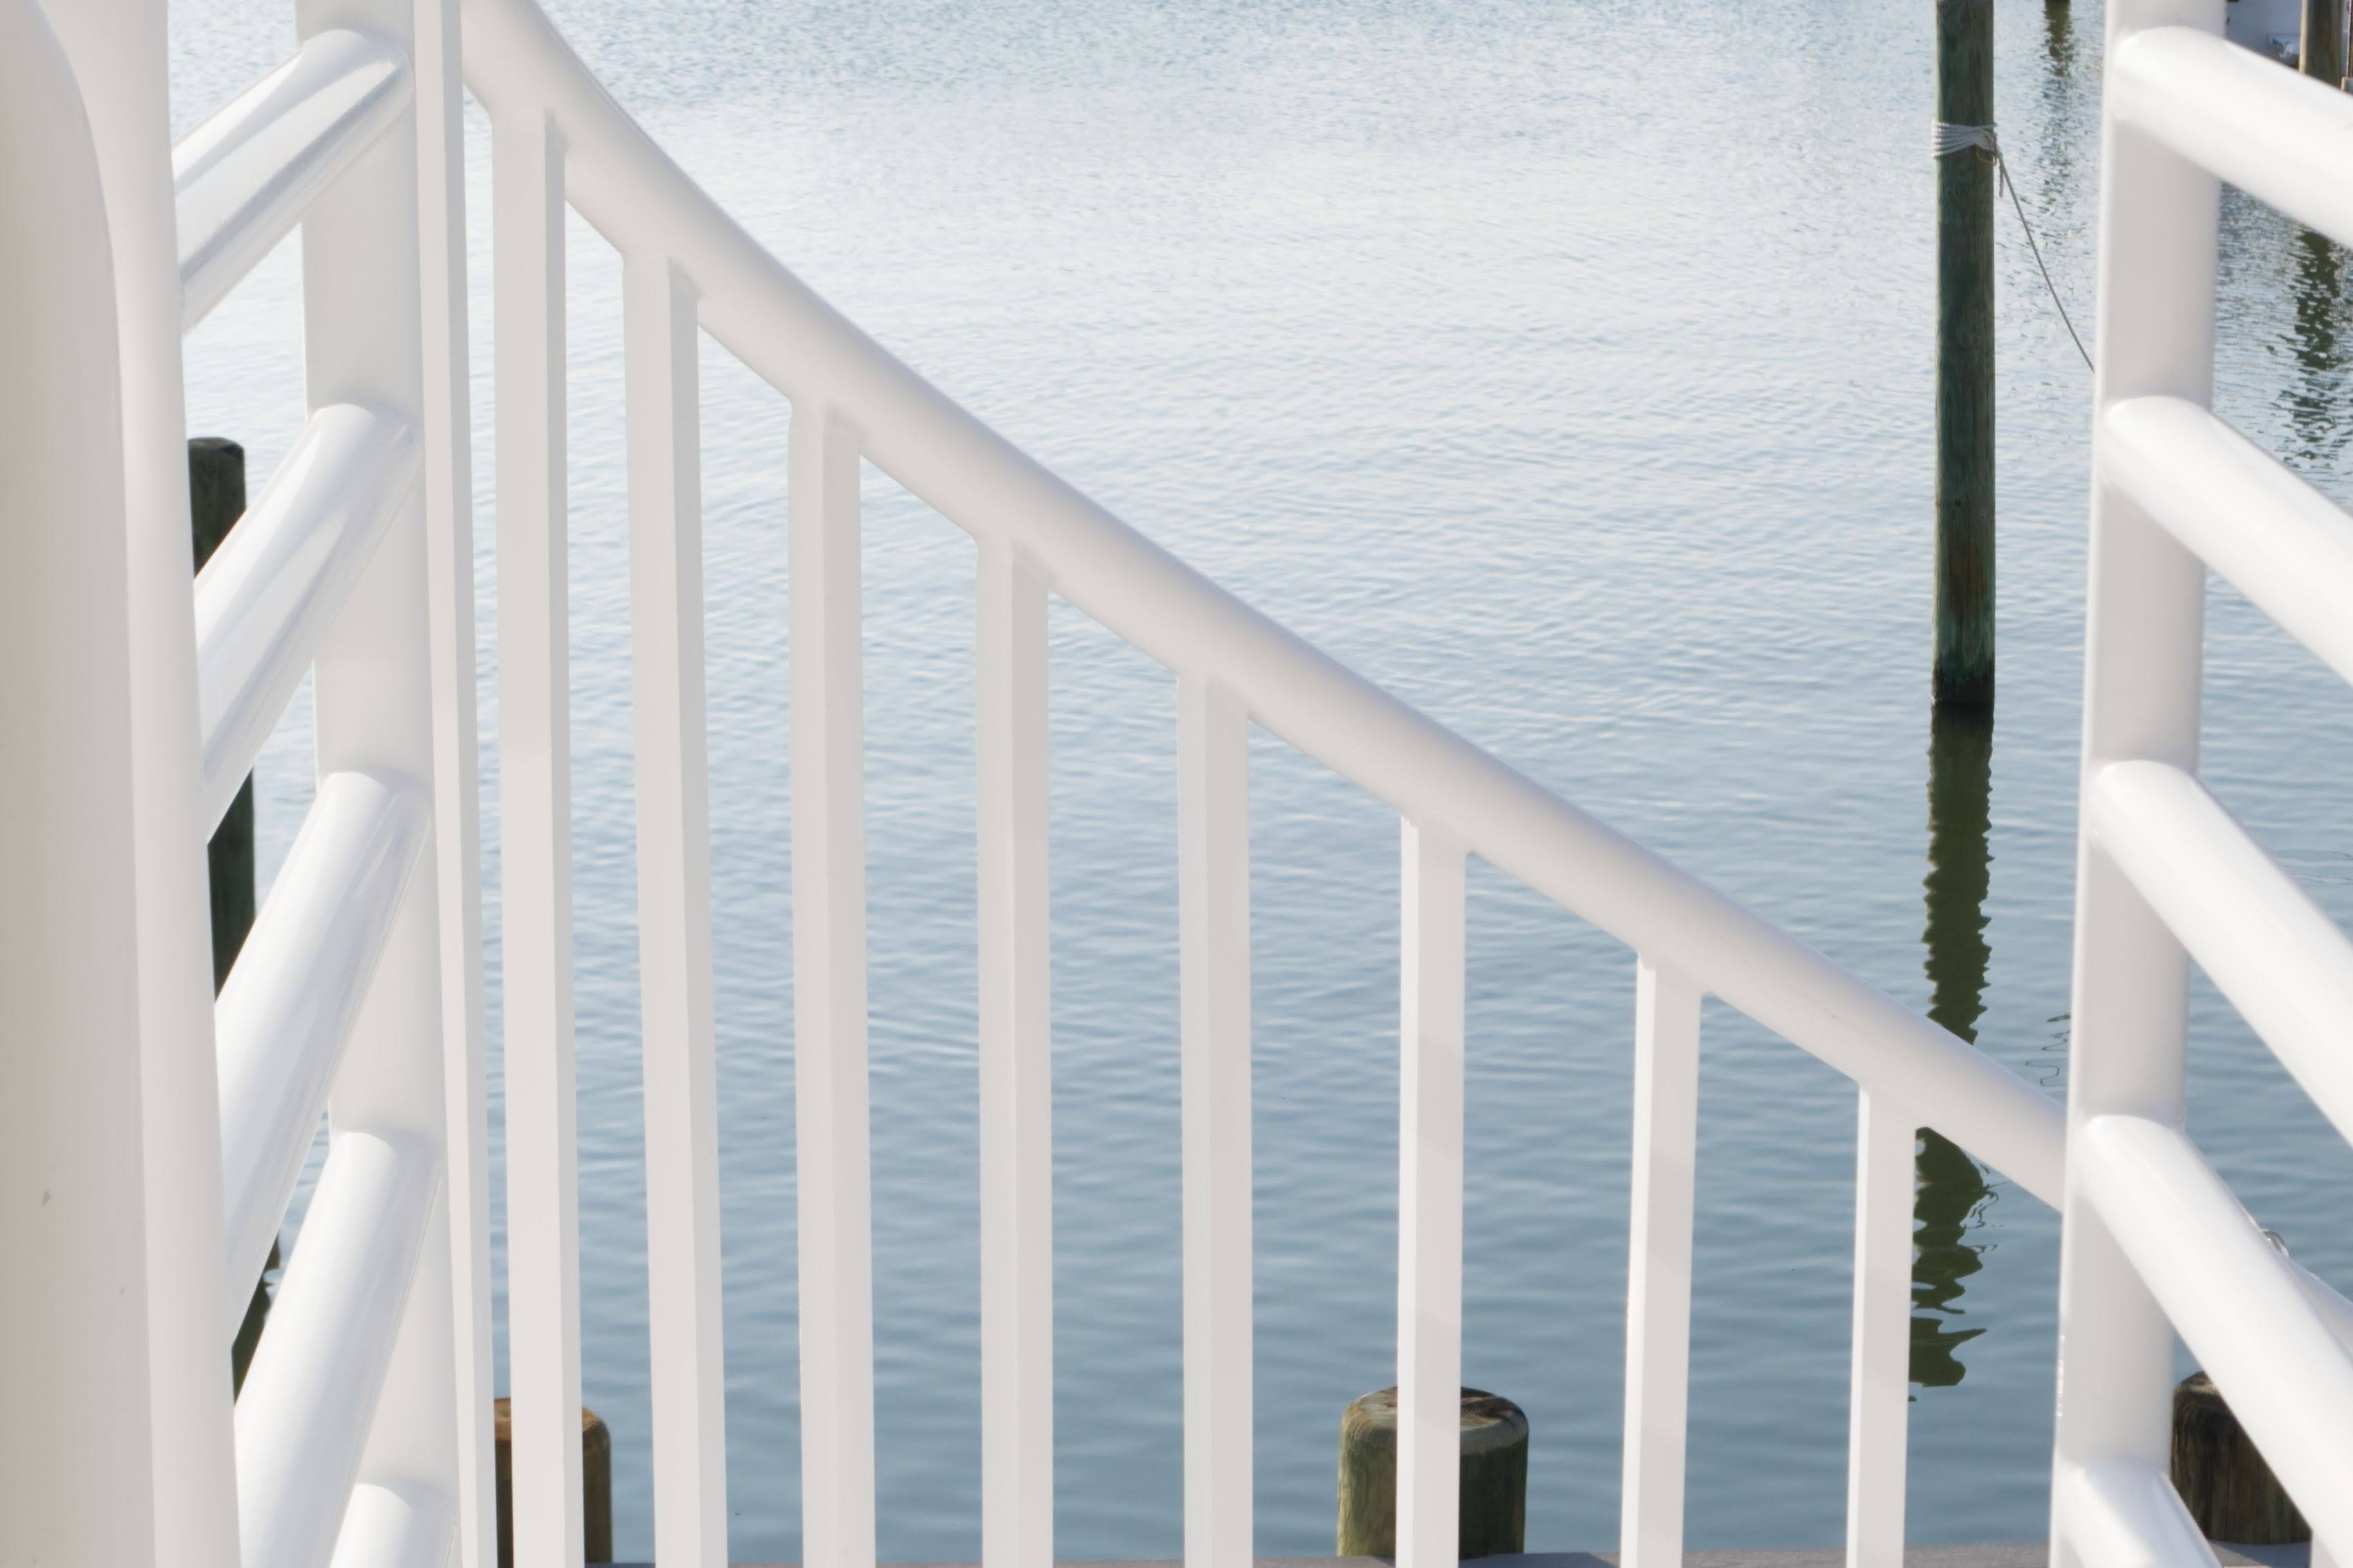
(2154, 1242)
(363, 1432)
(558, 139)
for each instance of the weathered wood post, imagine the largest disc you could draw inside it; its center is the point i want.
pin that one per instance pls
(1965, 477)
(2322, 52)
(595, 1484)
(1494, 1480)
(216, 500)
(2228, 1489)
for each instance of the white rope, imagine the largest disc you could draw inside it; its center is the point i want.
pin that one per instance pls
(1948, 139)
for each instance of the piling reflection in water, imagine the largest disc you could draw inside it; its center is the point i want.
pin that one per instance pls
(1952, 1194)
(2314, 398)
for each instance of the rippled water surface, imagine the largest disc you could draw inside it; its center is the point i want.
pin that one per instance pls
(1564, 366)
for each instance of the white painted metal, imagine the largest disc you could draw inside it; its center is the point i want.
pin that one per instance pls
(292, 1001)
(2142, 647)
(1016, 1094)
(118, 52)
(395, 1525)
(2153, 1239)
(535, 801)
(1879, 1403)
(363, 343)
(2228, 1291)
(448, 493)
(77, 1477)
(2129, 1515)
(2281, 962)
(2280, 543)
(674, 984)
(1214, 938)
(311, 1394)
(268, 597)
(1659, 1268)
(244, 177)
(2273, 134)
(828, 756)
(1429, 1198)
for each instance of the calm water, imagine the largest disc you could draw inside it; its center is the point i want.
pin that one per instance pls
(1564, 366)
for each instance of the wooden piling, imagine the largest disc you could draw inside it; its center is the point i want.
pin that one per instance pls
(595, 1484)
(1494, 1479)
(2322, 52)
(217, 500)
(1965, 350)
(2228, 1489)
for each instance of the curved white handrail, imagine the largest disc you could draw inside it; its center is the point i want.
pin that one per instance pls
(624, 184)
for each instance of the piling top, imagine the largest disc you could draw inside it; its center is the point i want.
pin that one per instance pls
(1490, 1421)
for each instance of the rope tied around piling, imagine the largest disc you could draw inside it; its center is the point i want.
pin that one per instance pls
(1947, 140)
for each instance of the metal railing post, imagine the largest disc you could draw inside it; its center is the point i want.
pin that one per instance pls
(76, 1460)
(364, 343)
(2143, 650)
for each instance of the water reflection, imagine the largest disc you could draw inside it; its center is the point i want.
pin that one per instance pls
(2313, 398)
(1952, 1194)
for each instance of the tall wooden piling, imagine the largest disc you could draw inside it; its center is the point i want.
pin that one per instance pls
(217, 500)
(2322, 52)
(1965, 477)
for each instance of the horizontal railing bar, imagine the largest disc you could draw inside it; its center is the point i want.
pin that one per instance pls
(624, 186)
(271, 591)
(2278, 541)
(2281, 962)
(2120, 1511)
(2234, 1302)
(395, 1525)
(289, 1004)
(2277, 135)
(243, 178)
(309, 1397)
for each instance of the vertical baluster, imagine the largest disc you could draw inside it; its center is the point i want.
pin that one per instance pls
(1213, 882)
(118, 49)
(674, 914)
(457, 800)
(1878, 1411)
(1659, 1268)
(830, 998)
(2144, 644)
(535, 795)
(1016, 1171)
(1429, 1202)
(363, 306)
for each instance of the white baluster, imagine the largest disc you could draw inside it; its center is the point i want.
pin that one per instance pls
(828, 784)
(536, 798)
(447, 427)
(1879, 1408)
(1659, 1268)
(1213, 890)
(1017, 1098)
(682, 1287)
(1429, 1203)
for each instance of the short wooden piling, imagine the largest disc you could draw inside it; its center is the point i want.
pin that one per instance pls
(595, 1484)
(1494, 1479)
(2321, 53)
(2228, 1489)
(1965, 349)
